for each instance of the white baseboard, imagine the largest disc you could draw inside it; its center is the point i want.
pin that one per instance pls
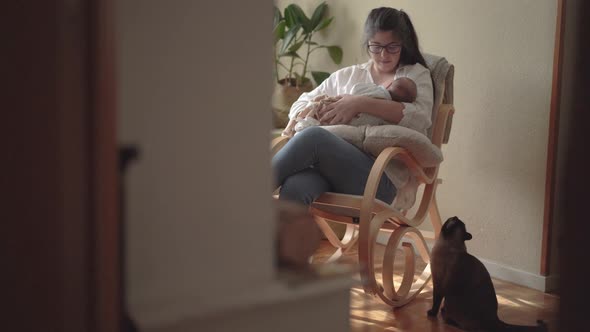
(496, 270)
(516, 276)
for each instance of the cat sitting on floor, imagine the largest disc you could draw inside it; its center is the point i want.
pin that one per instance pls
(465, 284)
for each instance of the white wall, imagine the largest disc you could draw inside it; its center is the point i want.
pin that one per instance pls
(193, 96)
(494, 172)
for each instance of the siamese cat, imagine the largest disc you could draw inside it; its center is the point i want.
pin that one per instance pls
(465, 284)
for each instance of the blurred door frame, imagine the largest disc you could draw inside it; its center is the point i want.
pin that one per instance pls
(60, 240)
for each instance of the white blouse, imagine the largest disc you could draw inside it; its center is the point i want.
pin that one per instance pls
(416, 115)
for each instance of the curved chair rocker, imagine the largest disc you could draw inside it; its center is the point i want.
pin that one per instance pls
(365, 216)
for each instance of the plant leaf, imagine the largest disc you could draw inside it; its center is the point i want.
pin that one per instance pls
(296, 46)
(335, 53)
(279, 31)
(290, 17)
(318, 15)
(290, 55)
(324, 24)
(298, 16)
(289, 37)
(277, 16)
(311, 43)
(319, 76)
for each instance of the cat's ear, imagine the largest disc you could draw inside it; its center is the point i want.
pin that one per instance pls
(467, 236)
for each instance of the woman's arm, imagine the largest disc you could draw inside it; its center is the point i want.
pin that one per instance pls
(326, 88)
(415, 115)
(347, 107)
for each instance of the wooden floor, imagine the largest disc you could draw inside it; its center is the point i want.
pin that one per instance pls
(517, 305)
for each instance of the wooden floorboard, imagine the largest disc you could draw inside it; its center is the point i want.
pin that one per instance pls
(517, 304)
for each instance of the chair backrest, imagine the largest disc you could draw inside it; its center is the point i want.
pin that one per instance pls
(442, 73)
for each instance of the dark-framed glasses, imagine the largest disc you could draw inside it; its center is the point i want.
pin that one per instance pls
(392, 48)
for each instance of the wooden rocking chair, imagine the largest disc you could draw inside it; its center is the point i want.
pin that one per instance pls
(365, 216)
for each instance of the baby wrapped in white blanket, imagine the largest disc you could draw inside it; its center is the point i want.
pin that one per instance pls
(402, 89)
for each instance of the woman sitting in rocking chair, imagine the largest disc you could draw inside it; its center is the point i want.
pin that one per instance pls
(316, 161)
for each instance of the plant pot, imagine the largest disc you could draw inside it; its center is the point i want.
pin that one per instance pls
(283, 97)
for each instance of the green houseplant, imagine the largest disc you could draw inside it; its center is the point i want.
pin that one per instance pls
(293, 46)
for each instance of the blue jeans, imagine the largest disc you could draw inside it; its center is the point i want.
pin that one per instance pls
(316, 161)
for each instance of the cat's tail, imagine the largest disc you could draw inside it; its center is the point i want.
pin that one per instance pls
(540, 327)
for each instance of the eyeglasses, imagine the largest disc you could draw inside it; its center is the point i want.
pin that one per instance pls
(390, 48)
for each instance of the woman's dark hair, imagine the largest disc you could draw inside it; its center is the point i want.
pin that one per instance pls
(398, 22)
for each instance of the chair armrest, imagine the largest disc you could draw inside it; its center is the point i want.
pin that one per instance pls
(277, 143)
(442, 127)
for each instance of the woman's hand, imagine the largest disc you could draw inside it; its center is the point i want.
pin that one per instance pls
(341, 111)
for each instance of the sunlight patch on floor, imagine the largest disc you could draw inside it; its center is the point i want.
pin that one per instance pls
(504, 301)
(532, 304)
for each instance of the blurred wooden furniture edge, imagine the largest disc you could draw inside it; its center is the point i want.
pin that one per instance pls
(297, 235)
(275, 132)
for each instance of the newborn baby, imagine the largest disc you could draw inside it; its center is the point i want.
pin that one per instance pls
(402, 89)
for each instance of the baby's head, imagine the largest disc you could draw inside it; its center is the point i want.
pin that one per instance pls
(403, 89)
